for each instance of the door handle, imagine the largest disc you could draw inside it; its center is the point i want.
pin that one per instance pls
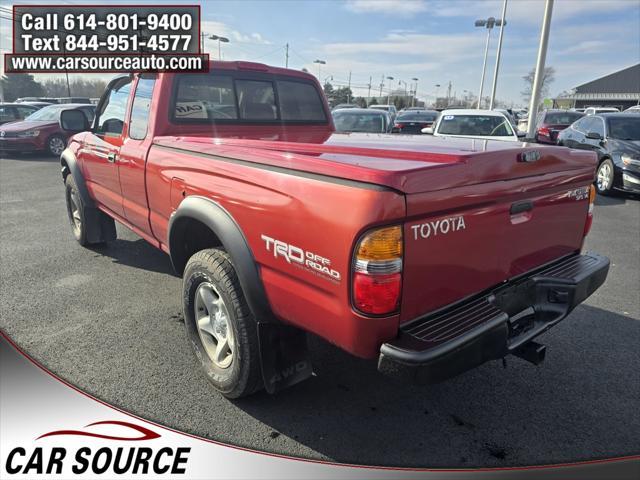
(521, 207)
(111, 157)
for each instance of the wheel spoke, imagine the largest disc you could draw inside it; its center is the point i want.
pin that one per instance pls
(204, 324)
(207, 298)
(222, 350)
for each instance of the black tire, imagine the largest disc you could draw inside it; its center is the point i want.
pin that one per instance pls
(75, 211)
(56, 145)
(605, 177)
(212, 268)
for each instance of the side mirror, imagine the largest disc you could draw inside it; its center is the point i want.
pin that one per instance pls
(594, 136)
(521, 134)
(73, 121)
(427, 130)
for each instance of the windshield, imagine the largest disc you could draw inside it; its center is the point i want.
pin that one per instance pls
(346, 121)
(562, 118)
(477, 125)
(47, 114)
(624, 128)
(418, 117)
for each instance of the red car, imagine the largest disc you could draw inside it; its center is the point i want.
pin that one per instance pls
(40, 131)
(550, 123)
(432, 255)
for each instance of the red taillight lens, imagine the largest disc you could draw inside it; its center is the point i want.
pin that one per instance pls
(377, 271)
(399, 125)
(376, 294)
(544, 131)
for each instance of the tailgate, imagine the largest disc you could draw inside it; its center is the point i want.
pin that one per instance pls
(463, 240)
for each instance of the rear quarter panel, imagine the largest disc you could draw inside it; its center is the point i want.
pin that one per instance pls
(321, 216)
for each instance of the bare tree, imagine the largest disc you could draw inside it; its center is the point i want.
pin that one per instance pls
(547, 79)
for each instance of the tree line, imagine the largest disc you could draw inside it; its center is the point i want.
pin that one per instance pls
(17, 85)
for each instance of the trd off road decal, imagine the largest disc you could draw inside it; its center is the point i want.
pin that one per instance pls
(579, 193)
(299, 257)
(441, 226)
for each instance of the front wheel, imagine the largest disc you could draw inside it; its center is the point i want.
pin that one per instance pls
(219, 324)
(604, 177)
(56, 145)
(75, 210)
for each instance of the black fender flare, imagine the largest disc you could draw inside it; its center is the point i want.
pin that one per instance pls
(222, 224)
(69, 165)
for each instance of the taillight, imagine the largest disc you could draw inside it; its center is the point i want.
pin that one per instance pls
(377, 271)
(544, 131)
(399, 125)
(592, 199)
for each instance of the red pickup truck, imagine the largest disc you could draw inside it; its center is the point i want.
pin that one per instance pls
(433, 255)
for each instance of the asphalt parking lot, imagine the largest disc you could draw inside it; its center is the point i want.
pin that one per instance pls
(109, 321)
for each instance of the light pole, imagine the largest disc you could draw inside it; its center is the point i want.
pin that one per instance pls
(537, 79)
(400, 82)
(415, 91)
(437, 85)
(389, 78)
(503, 22)
(219, 39)
(319, 62)
(489, 23)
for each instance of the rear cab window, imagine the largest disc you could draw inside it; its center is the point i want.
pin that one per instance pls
(241, 98)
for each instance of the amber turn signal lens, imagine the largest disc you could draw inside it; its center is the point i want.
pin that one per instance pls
(381, 244)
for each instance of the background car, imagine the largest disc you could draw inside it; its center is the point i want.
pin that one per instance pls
(364, 120)
(37, 99)
(11, 112)
(345, 105)
(549, 123)
(634, 109)
(507, 113)
(390, 109)
(615, 137)
(40, 130)
(596, 110)
(38, 105)
(414, 121)
(482, 124)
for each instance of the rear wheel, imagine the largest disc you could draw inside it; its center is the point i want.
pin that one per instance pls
(604, 177)
(219, 324)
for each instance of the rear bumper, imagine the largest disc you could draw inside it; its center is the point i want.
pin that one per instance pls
(494, 324)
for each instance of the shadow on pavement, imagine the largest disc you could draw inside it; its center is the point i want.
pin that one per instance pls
(577, 405)
(137, 254)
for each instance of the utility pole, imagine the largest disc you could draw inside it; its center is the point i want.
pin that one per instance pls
(495, 71)
(202, 35)
(381, 85)
(369, 92)
(449, 93)
(286, 56)
(349, 94)
(537, 79)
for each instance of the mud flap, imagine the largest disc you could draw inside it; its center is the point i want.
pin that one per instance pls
(283, 356)
(100, 227)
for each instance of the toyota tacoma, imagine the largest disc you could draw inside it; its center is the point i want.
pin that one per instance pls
(432, 255)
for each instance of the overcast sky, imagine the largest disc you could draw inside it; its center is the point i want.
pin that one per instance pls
(433, 40)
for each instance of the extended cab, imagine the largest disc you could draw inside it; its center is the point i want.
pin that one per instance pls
(432, 255)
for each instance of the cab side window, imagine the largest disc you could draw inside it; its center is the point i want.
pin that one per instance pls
(140, 108)
(111, 115)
